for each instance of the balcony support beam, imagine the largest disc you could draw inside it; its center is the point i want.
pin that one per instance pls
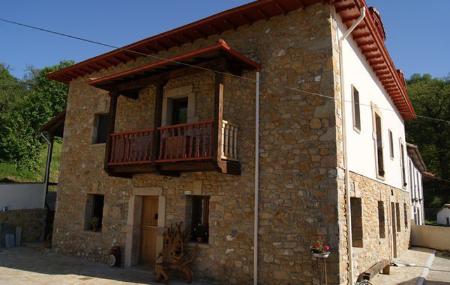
(159, 94)
(112, 122)
(218, 115)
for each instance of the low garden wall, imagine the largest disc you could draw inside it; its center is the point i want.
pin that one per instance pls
(32, 222)
(434, 237)
(17, 196)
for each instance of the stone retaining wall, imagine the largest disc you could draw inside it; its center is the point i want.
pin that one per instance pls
(32, 222)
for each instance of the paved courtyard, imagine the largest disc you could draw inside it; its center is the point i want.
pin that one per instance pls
(38, 266)
(418, 266)
(22, 266)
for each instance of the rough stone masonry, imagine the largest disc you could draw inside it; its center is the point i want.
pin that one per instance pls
(301, 185)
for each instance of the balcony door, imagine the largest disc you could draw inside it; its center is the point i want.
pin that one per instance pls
(179, 111)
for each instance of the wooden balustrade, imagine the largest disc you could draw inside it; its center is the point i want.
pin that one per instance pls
(229, 141)
(186, 142)
(131, 147)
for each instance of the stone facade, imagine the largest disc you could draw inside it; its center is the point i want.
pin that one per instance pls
(301, 184)
(32, 222)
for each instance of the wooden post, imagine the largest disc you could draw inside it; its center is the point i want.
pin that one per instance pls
(218, 116)
(112, 122)
(158, 117)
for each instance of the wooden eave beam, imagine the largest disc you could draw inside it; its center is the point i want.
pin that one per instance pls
(263, 14)
(344, 7)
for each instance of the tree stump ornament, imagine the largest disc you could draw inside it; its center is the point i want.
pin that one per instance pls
(174, 255)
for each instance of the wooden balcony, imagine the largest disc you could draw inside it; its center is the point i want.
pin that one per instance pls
(178, 148)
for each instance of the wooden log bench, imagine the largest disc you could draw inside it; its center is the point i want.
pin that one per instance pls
(383, 266)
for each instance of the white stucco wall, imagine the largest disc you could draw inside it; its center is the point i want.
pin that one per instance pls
(22, 196)
(442, 216)
(361, 145)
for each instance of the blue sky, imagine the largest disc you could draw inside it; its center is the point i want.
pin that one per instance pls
(417, 31)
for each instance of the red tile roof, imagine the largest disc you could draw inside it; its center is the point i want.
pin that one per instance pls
(221, 48)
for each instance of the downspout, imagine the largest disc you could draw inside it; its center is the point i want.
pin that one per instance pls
(49, 142)
(256, 203)
(344, 142)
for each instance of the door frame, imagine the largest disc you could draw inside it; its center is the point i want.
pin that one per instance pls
(133, 233)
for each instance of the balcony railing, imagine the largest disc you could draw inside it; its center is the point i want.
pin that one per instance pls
(131, 147)
(229, 141)
(186, 142)
(177, 143)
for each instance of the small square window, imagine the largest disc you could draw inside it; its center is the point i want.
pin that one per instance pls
(356, 110)
(198, 218)
(94, 213)
(101, 127)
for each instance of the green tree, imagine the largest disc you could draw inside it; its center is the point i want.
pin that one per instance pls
(431, 97)
(41, 100)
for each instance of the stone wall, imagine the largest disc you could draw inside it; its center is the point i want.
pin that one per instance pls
(376, 248)
(32, 222)
(301, 187)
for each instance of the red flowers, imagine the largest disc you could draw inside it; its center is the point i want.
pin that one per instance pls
(320, 247)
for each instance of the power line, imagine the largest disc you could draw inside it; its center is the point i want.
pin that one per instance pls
(190, 65)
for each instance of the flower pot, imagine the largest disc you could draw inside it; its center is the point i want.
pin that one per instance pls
(321, 255)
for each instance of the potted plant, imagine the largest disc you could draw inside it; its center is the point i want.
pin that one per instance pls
(95, 223)
(201, 233)
(320, 249)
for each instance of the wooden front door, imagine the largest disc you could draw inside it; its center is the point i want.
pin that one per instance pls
(394, 230)
(149, 229)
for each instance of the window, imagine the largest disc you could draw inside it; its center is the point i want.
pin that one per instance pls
(381, 220)
(198, 218)
(356, 110)
(405, 213)
(397, 210)
(379, 146)
(402, 161)
(101, 126)
(356, 215)
(179, 111)
(391, 144)
(94, 213)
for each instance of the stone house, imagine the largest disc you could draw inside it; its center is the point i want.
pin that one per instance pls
(263, 129)
(416, 168)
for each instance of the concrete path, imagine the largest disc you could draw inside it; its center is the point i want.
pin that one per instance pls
(418, 266)
(440, 270)
(38, 266)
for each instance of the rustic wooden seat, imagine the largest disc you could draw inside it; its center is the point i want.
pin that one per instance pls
(174, 255)
(383, 266)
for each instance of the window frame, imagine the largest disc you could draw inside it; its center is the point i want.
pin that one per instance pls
(90, 209)
(95, 131)
(205, 216)
(356, 110)
(357, 222)
(391, 144)
(380, 172)
(381, 220)
(403, 166)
